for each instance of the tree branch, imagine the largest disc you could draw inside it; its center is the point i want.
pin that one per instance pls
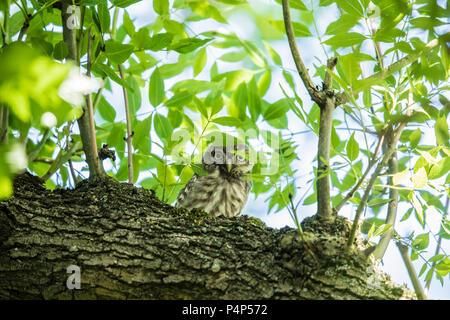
(98, 169)
(386, 72)
(95, 166)
(412, 273)
(393, 204)
(323, 161)
(301, 68)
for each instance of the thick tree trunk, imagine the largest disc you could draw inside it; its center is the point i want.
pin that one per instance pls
(129, 245)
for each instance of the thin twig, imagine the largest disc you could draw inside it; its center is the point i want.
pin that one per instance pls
(412, 273)
(60, 160)
(438, 246)
(361, 180)
(293, 213)
(33, 155)
(365, 197)
(4, 116)
(72, 171)
(129, 137)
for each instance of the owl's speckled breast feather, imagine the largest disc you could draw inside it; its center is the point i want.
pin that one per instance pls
(215, 194)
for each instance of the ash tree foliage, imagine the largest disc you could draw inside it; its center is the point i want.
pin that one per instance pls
(388, 87)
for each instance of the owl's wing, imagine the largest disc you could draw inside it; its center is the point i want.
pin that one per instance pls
(185, 191)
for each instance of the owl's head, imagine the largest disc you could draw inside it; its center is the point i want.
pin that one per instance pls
(233, 159)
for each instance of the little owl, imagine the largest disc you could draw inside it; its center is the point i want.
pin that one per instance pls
(224, 190)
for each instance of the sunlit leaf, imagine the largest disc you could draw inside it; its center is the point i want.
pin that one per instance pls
(117, 52)
(420, 179)
(345, 40)
(156, 88)
(352, 148)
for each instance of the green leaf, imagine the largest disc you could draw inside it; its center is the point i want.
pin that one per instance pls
(350, 67)
(117, 52)
(162, 127)
(103, 15)
(439, 169)
(345, 40)
(199, 61)
(161, 6)
(443, 267)
(206, 10)
(239, 99)
(326, 3)
(61, 50)
(128, 24)
(123, 3)
(400, 176)
(441, 129)
(371, 231)
(180, 99)
(352, 7)
(352, 148)
(234, 56)
(156, 89)
(141, 137)
(300, 30)
(421, 241)
(264, 82)
(414, 138)
(254, 100)
(382, 229)
(420, 179)
(277, 109)
(188, 44)
(106, 110)
(107, 71)
(407, 214)
(417, 207)
(227, 121)
(141, 39)
(233, 78)
(378, 202)
(295, 4)
(342, 25)
(310, 199)
(159, 41)
(134, 96)
(436, 258)
(273, 54)
(191, 85)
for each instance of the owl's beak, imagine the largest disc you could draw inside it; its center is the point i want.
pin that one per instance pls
(229, 166)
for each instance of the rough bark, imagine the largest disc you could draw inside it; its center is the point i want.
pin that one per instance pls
(129, 245)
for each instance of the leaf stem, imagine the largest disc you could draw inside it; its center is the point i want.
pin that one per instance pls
(129, 137)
